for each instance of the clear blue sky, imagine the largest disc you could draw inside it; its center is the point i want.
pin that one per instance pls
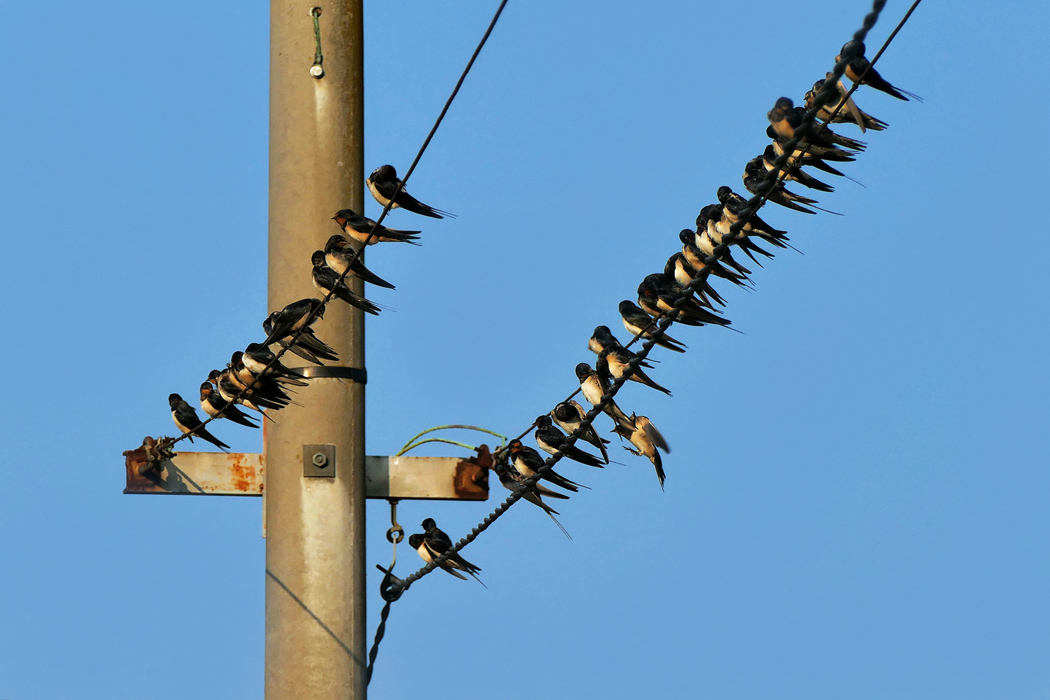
(856, 501)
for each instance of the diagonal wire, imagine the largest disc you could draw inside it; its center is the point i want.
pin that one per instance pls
(665, 320)
(780, 161)
(386, 209)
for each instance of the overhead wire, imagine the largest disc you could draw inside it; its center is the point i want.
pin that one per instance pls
(309, 319)
(666, 318)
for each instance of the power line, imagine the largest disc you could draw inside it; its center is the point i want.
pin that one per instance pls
(310, 317)
(665, 320)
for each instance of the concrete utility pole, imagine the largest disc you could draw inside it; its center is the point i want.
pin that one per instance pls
(315, 545)
(313, 473)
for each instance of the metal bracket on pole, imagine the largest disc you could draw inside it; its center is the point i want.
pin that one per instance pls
(319, 460)
(244, 474)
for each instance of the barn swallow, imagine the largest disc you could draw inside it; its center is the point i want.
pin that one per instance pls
(308, 346)
(695, 257)
(550, 440)
(295, 316)
(569, 416)
(684, 274)
(712, 222)
(263, 385)
(860, 70)
(614, 362)
(383, 183)
(327, 280)
(787, 121)
(639, 323)
(528, 461)
(341, 256)
(733, 206)
(844, 112)
(811, 154)
(360, 228)
(258, 359)
(793, 173)
(595, 386)
(271, 376)
(433, 543)
(214, 405)
(657, 296)
(513, 481)
(236, 391)
(189, 422)
(757, 181)
(603, 339)
(646, 438)
(230, 392)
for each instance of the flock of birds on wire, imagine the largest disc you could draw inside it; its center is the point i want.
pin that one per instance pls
(255, 380)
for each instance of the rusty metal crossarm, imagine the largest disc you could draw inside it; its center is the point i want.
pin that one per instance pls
(244, 474)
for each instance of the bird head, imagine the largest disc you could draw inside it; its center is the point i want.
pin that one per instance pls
(335, 241)
(384, 173)
(342, 215)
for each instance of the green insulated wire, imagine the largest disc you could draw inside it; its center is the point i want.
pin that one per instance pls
(412, 444)
(317, 69)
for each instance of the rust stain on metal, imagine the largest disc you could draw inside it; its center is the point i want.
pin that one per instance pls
(472, 476)
(243, 475)
(144, 464)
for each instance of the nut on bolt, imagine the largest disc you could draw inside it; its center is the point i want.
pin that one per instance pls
(320, 460)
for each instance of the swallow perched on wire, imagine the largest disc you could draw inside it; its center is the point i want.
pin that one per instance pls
(793, 173)
(341, 256)
(230, 392)
(213, 404)
(710, 224)
(811, 154)
(647, 439)
(433, 542)
(308, 346)
(860, 70)
(695, 257)
(757, 181)
(260, 359)
(614, 362)
(594, 387)
(639, 323)
(360, 227)
(683, 273)
(262, 385)
(787, 121)
(569, 416)
(236, 390)
(550, 440)
(733, 206)
(603, 339)
(327, 280)
(189, 422)
(707, 237)
(383, 183)
(844, 109)
(657, 296)
(296, 316)
(512, 480)
(528, 461)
